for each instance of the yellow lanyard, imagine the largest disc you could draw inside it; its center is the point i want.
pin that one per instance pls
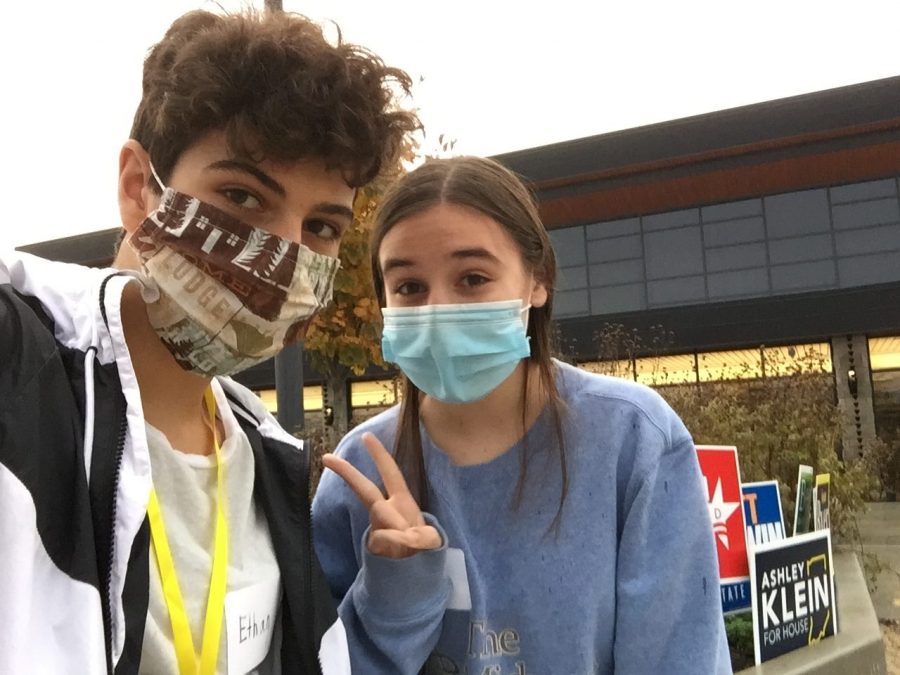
(188, 663)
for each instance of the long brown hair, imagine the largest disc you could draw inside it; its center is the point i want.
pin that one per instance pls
(490, 188)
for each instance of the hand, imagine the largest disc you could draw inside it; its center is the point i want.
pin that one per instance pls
(398, 527)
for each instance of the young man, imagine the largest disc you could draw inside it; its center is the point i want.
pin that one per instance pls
(153, 517)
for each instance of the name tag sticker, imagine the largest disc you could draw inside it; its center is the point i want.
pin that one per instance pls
(456, 570)
(250, 616)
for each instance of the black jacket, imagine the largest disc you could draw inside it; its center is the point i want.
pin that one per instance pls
(75, 478)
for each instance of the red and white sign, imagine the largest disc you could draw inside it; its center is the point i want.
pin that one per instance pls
(719, 466)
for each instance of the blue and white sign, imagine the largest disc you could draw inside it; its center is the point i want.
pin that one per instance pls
(762, 512)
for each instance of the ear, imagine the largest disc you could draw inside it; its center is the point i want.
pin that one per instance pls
(136, 199)
(538, 294)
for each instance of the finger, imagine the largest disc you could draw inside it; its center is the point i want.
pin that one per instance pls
(366, 490)
(384, 515)
(402, 543)
(406, 506)
(424, 538)
(391, 475)
(382, 545)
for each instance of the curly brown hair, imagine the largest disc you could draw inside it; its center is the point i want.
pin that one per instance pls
(278, 89)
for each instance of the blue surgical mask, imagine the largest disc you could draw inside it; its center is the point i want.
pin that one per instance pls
(456, 353)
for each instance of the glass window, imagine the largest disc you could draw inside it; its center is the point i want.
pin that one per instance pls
(665, 370)
(312, 399)
(884, 359)
(738, 364)
(886, 401)
(380, 393)
(721, 366)
(796, 359)
(616, 368)
(884, 353)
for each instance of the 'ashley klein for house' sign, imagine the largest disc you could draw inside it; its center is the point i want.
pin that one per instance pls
(793, 593)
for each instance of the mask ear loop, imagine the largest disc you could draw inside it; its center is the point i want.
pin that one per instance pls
(527, 315)
(149, 289)
(156, 177)
(526, 309)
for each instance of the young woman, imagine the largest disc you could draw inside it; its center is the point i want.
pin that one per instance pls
(534, 518)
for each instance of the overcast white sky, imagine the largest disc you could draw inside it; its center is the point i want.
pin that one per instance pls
(499, 76)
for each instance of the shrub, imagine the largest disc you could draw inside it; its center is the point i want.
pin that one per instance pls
(779, 415)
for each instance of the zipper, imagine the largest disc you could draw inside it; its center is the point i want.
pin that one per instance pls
(310, 552)
(120, 453)
(107, 609)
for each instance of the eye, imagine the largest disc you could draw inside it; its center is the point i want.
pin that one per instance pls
(474, 279)
(409, 288)
(323, 229)
(242, 198)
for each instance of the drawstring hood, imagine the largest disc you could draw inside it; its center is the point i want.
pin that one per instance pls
(88, 439)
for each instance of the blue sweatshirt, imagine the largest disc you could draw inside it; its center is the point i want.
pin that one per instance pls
(627, 584)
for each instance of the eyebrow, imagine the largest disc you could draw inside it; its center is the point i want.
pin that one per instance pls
(461, 254)
(395, 263)
(327, 208)
(332, 209)
(481, 253)
(261, 176)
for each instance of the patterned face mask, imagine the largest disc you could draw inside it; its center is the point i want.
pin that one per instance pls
(223, 295)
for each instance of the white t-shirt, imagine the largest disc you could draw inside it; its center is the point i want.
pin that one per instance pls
(186, 489)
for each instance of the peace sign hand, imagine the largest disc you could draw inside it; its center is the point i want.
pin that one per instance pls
(398, 528)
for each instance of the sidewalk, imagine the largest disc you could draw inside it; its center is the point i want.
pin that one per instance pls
(880, 532)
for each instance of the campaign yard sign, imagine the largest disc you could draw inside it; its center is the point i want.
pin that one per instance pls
(793, 594)
(719, 466)
(762, 512)
(821, 499)
(803, 505)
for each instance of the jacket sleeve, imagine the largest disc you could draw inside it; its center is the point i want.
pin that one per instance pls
(13, 373)
(669, 613)
(392, 610)
(26, 349)
(48, 563)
